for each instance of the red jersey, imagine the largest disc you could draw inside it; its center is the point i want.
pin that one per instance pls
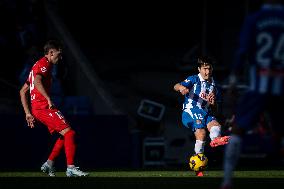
(44, 68)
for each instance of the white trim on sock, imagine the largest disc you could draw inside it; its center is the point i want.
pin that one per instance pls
(70, 166)
(50, 162)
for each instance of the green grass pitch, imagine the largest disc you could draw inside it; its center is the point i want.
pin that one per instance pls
(145, 179)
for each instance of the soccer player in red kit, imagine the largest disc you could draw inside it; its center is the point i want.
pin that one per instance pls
(42, 109)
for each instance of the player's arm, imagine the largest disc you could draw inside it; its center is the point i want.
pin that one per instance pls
(180, 88)
(211, 99)
(241, 55)
(24, 100)
(39, 86)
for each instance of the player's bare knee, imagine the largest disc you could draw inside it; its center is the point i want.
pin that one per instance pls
(213, 123)
(200, 134)
(64, 131)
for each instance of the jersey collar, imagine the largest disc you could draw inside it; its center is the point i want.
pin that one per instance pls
(203, 80)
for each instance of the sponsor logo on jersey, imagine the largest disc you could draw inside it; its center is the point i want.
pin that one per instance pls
(43, 69)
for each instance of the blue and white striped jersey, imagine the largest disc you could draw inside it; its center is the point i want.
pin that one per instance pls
(262, 42)
(198, 91)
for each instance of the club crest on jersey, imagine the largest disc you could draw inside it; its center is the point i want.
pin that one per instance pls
(198, 121)
(43, 69)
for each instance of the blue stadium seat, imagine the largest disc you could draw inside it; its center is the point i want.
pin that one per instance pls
(77, 105)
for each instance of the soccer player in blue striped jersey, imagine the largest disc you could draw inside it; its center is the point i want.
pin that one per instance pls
(261, 45)
(200, 102)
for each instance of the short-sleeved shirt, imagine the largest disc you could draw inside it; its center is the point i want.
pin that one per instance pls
(196, 109)
(41, 67)
(52, 118)
(199, 89)
(262, 41)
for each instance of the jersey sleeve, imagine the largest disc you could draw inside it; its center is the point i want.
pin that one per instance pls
(245, 42)
(42, 69)
(188, 82)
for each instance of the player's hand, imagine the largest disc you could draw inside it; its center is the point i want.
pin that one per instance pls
(50, 104)
(211, 98)
(183, 90)
(30, 120)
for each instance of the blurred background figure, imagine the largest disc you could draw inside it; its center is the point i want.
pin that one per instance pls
(261, 45)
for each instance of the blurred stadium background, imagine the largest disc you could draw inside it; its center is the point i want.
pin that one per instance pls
(115, 83)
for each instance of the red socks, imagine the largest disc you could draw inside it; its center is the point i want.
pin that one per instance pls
(70, 146)
(56, 149)
(68, 141)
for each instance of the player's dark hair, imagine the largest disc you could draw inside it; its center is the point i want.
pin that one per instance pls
(205, 60)
(52, 44)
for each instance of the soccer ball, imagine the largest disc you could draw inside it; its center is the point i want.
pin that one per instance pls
(198, 162)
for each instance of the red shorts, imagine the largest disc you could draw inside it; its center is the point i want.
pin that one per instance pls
(52, 118)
